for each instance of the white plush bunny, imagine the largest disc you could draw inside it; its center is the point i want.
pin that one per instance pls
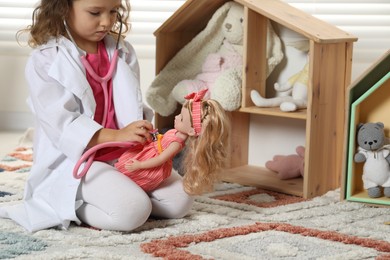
(292, 94)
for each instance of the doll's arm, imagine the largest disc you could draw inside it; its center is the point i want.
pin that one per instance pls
(166, 155)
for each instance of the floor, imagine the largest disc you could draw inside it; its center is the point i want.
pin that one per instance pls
(8, 141)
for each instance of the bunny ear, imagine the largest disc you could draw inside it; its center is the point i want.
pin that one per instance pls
(196, 97)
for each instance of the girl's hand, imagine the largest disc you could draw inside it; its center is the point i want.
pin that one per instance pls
(138, 131)
(133, 165)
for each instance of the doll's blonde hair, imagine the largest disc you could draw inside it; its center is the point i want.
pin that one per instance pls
(48, 21)
(207, 154)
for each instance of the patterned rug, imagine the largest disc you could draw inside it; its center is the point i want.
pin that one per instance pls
(234, 222)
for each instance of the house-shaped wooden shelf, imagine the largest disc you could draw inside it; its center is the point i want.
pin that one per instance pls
(369, 101)
(329, 75)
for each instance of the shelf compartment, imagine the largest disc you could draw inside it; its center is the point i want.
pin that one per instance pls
(330, 64)
(362, 196)
(371, 106)
(263, 178)
(274, 111)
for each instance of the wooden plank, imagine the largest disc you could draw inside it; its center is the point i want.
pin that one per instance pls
(239, 140)
(348, 67)
(357, 169)
(192, 15)
(274, 111)
(344, 167)
(362, 196)
(255, 60)
(325, 120)
(299, 21)
(369, 77)
(376, 107)
(263, 178)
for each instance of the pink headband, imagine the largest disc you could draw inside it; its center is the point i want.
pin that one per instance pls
(196, 109)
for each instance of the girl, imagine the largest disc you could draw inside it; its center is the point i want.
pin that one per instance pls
(207, 127)
(84, 90)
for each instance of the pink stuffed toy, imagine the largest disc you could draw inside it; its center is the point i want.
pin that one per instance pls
(288, 166)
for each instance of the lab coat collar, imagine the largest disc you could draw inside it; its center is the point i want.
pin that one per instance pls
(68, 70)
(70, 47)
(109, 41)
(68, 59)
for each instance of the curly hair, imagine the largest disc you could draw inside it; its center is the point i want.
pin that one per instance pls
(206, 155)
(48, 21)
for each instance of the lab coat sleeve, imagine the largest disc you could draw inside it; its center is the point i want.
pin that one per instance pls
(58, 111)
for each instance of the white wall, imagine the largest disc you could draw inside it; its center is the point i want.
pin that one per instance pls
(267, 136)
(14, 113)
(271, 135)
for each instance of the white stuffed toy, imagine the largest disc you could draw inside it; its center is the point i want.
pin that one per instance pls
(212, 60)
(221, 71)
(292, 94)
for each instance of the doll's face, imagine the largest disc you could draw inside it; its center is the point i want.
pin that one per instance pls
(183, 122)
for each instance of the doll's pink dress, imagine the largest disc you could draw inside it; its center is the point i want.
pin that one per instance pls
(149, 179)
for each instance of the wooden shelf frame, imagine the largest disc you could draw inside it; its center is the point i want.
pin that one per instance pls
(368, 100)
(330, 64)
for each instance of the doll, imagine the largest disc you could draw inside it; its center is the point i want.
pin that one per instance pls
(204, 127)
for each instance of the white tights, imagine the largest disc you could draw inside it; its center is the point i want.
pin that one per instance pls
(112, 201)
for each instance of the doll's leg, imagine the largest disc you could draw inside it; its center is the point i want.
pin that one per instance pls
(169, 200)
(112, 201)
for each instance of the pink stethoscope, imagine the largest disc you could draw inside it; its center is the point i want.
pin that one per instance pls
(89, 155)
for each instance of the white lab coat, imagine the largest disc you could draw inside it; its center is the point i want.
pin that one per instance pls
(63, 104)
